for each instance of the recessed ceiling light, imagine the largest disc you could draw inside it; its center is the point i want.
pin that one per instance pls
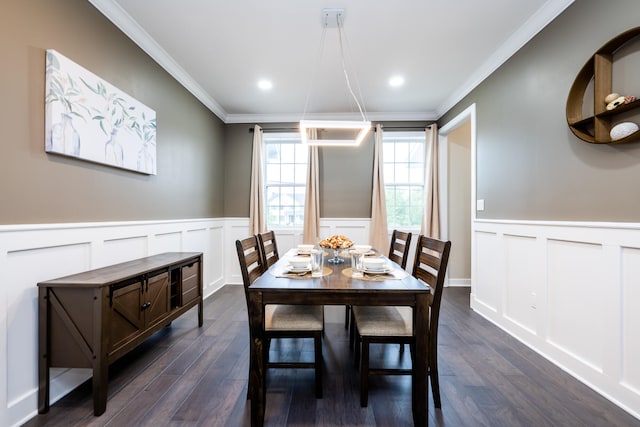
(265, 84)
(396, 81)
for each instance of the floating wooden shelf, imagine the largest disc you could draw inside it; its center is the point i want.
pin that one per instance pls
(596, 129)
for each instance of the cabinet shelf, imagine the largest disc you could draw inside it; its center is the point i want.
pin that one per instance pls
(596, 129)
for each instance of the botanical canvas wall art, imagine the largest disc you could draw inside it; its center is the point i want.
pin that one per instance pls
(91, 119)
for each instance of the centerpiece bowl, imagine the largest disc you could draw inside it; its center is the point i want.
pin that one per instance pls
(337, 243)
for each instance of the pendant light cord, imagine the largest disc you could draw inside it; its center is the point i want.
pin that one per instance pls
(315, 70)
(344, 68)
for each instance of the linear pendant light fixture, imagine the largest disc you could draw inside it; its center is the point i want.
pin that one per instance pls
(334, 132)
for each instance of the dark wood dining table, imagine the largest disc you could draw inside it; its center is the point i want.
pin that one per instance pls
(336, 288)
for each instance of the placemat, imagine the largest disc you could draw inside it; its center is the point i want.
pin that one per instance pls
(280, 272)
(392, 275)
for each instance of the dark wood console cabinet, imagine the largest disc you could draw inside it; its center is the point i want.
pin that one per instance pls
(90, 319)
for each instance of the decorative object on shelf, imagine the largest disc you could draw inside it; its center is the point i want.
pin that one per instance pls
(623, 130)
(336, 243)
(613, 100)
(90, 119)
(596, 76)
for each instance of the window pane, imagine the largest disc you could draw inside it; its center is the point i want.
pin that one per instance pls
(416, 215)
(287, 174)
(387, 152)
(287, 153)
(416, 151)
(387, 173)
(272, 153)
(301, 153)
(416, 173)
(272, 174)
(402, 152)
(300, 174)
(402, 173)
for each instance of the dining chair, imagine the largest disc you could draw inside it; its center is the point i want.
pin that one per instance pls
(394, 325)
(268, 248)
(399, 247)
(282, 321)
(398, 253)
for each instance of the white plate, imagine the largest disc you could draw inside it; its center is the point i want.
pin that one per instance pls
(386, 269)
(292, 269)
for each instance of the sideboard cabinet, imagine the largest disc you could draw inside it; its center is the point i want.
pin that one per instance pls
(91, 319)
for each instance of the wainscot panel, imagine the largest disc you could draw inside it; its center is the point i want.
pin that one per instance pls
(571, 292)
(33, 253)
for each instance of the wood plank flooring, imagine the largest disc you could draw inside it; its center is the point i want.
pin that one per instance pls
(190, 376)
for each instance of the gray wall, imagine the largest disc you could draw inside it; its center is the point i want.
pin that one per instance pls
(36, 187)
(345, 173)
(529, 164)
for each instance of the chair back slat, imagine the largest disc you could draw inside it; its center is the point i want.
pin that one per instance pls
(268, 248)
(399, 247)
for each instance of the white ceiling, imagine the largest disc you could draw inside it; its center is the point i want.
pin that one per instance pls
(220, 49)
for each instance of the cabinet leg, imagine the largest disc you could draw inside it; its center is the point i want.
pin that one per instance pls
(43, 351)
(100, 385)
(200, 313)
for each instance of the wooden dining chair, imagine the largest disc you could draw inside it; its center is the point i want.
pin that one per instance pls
(282, 321)
(399, 247)
(394, 325)
(269, 248)
(398, 253)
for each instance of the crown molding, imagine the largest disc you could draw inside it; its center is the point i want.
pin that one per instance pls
(543, 16)
(121, 19)
(295, 117)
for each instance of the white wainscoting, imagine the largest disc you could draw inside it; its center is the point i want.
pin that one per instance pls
(570, 291)
(33, 253)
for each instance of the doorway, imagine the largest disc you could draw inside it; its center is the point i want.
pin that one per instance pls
(457, 160)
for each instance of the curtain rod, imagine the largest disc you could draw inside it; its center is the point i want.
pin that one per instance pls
(404, 127)
(276, 129)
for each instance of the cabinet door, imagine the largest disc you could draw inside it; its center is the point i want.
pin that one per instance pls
(157, 298)
(127, 319)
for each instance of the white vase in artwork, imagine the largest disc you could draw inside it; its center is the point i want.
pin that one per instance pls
(145, 159)
(113, 152)
(64, 138)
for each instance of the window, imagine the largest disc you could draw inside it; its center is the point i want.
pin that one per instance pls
(403, 155)
(285, 170)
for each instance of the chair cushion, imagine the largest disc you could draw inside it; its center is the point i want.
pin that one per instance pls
(280, 317)
(384, 321)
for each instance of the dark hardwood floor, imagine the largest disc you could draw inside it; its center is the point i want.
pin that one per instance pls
(190, 376)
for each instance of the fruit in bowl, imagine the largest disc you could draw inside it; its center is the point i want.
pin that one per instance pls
(336, 242)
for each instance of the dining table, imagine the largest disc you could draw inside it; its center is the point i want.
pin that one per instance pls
(337, 287)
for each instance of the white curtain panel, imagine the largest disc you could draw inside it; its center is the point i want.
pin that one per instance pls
(256, 203)
(378, 232)
(311, 229)
(431, 215)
